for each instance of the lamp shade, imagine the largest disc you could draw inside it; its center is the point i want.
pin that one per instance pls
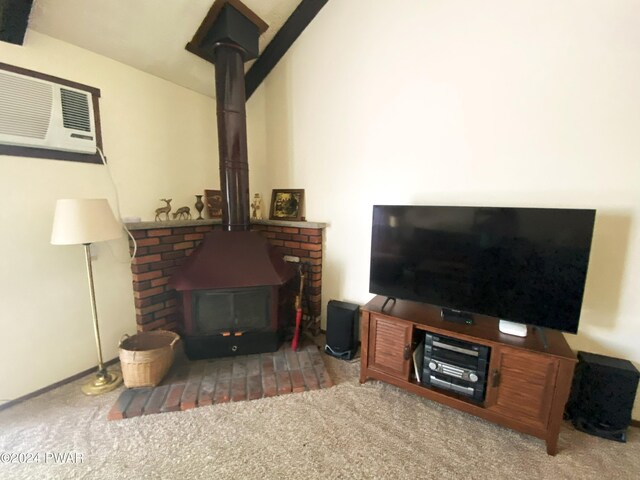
(84, 220)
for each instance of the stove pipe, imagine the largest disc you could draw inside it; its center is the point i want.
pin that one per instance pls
(232, 136)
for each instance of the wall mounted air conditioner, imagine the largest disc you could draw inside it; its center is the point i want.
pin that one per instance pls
(41, 114)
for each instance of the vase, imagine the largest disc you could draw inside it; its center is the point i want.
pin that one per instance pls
(199, 206)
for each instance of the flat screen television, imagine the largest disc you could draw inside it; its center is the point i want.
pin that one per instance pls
(525, 265)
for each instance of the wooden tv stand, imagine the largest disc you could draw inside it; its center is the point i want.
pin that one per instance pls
(527, 386)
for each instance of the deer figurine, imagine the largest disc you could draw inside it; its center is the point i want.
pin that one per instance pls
(182, 213)
(165, 210)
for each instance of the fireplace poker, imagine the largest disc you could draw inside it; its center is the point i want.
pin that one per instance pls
(298, 306)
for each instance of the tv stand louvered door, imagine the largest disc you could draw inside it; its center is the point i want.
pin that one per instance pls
(527, 385)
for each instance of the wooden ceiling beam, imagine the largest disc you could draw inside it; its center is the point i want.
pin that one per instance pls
(14, 18)
(290, 31)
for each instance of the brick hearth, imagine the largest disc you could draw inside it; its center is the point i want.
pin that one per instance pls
(163, 247)
(206, 382)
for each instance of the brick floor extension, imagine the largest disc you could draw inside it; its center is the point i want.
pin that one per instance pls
(233, 379)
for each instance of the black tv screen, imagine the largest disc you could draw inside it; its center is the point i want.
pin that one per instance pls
(525, 265)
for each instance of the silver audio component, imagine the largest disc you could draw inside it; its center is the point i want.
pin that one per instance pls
(452, 386)
(456, 365)
(454, 348)
(453, 371)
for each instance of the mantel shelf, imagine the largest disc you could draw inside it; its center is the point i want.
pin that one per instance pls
(209, 221)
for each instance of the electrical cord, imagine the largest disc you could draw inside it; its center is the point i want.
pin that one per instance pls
(115, 189)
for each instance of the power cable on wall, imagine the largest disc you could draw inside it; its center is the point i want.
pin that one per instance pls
(115, 188)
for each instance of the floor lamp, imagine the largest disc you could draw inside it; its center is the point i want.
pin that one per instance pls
(83, 222)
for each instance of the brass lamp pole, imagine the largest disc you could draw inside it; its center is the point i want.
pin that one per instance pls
(86, 221)
(103, 381)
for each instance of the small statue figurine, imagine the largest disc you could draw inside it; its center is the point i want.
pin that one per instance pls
(166, 209)
(256, 207)
(183, 213)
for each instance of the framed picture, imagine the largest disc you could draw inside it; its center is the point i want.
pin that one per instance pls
(213, 200)
(287, 205)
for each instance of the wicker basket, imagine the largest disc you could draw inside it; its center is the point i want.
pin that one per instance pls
(146, 357)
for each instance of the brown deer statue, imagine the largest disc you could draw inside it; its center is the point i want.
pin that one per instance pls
(165, 210)
(183, 213)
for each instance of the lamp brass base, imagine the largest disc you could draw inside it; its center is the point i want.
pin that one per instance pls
(102, 382)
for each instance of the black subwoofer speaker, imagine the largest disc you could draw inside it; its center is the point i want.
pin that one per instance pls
(602, 395)
(342, 324)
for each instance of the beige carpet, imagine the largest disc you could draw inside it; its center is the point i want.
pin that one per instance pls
(348, 431)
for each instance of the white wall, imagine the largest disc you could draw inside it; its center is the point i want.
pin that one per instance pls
(160, 140)
(259, 167)
(502, 103)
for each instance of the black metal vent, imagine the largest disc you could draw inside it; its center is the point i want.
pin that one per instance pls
(75, 110)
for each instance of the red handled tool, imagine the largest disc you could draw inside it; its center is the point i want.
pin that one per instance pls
(296, 333)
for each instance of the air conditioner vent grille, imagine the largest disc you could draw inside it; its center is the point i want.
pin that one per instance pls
(75, 110)
(25, 106)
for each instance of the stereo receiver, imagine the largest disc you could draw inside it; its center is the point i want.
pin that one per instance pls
(455, 365)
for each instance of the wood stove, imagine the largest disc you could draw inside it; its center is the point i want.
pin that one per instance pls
(229, 285)
(230, 288)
